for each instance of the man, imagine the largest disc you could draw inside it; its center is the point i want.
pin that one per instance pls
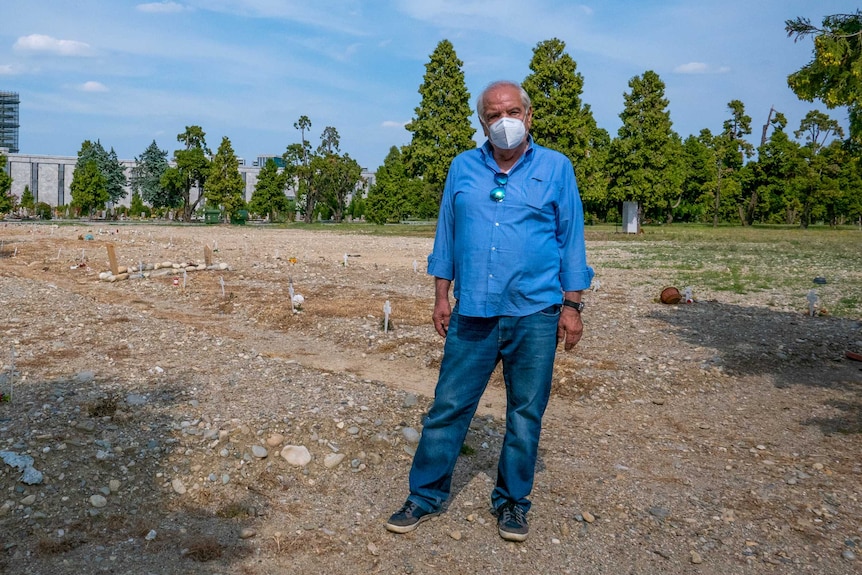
(511, 237)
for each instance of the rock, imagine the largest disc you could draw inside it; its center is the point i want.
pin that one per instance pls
(848, 555)
(29, 500)
(333, 459)
(178, 486)
(247, 533)
(456, 535)
(411, 435)
(695, 557)
(98, 501)
(297, 455)
(410, 400)
(114, 485)
(275, 440)
(259, 451)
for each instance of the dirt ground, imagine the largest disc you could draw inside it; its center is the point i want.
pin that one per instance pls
(169, 416)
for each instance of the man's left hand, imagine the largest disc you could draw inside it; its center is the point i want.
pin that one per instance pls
(570, 328)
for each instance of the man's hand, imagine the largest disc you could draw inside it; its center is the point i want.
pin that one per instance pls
(442, 307)
(442, 313)
(570, 328)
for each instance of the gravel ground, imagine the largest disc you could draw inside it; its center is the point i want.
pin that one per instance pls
(193, 422)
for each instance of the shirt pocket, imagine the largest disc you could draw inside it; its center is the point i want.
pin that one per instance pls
(539, 195)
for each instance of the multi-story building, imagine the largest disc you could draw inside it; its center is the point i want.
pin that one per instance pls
(9, 102)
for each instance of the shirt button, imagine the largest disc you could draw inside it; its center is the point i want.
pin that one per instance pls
(490, 275)
(497, 224)
(493, 249)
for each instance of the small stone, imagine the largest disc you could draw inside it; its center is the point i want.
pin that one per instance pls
(275, 440)
(178, 486)
(259, 451)
(411, 435)
(114, 485)
(297, 455)
(98, 501)
(818, 466)
(696, 559)
(588, 517)
(29, 500)
(372, 548)
(456, 535)
(247, 533)
(848, 555)
(410, 400)
(353, 430)
(333, 460)
(555, 541)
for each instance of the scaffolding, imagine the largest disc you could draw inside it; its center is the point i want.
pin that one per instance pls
(9, 102)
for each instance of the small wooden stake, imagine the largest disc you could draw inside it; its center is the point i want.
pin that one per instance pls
(208, 256)
(112, 259)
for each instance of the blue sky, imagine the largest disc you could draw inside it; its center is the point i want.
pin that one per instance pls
(127, 73)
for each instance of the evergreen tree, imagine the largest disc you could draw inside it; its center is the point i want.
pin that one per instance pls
(700, 176)
(28, 202)
(146, 178)
(110, 167)
(268, 197)
(224, 186)
(192, 166)
(89, 189)
(298, 157)
(396, 196)
(563, 122)
(833, 76)
(137, 207)
(778, 163)
(731, 149)
(645, 159)
(441, 128)
(7, 200)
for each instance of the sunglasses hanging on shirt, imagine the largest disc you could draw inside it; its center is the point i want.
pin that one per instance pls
(498, 193)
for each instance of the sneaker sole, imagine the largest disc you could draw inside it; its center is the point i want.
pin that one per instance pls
(408, 528)
(509, 536)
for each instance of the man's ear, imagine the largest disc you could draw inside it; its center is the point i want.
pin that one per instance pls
(528, 119)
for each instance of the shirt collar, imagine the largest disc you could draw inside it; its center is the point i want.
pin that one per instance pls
(488, 151)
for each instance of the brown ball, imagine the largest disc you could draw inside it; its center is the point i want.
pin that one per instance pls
(670, 295)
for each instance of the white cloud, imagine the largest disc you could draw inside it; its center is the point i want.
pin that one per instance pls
(43, 43)
(393, 124)
(160, 7)
(92, 86)
(692, 68)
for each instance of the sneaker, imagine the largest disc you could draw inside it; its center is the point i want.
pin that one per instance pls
(408, 518)
(512, 522)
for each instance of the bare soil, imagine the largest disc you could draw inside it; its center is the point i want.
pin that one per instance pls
(722, 436)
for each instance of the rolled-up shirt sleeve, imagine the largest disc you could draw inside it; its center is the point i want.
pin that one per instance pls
(575, 274)
(441, 261)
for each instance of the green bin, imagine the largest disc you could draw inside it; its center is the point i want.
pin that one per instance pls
(212, 216)
(240, 217)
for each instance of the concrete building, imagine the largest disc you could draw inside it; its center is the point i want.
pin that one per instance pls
(50, 177)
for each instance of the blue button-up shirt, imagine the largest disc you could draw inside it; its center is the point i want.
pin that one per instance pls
(513, 257)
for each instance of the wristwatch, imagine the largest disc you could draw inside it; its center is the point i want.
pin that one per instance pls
(578, 305)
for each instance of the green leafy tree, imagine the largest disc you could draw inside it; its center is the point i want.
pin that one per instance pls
(111, 168)
(298, 156)
(563, 122)
(441, 128)
(7, 200)
(89, 189)
(334, 176)
(269, 196)
(137, 206)
(645, 160)
(778, 163)
(224, 185)
(700, 177)
(146, 178)
(395, 196)
(731, 149)
(28, 202)
(834, 75)
(190, 170)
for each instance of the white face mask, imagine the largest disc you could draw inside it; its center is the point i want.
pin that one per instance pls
(507, 133)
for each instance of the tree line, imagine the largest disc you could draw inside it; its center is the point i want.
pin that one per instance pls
(794, 176)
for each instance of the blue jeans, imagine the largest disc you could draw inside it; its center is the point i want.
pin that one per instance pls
(474, 346)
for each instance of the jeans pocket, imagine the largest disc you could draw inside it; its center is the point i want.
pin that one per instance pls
(552, 310)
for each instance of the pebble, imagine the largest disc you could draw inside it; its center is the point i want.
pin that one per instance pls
(588, 517)
(296, 455)
(114, 485)
(275, 440)
(29, 500)
(456, 535)
(696, 559)
(848, 555)
(333, 460)
(259, 451)
(247, 533)
(410, 434)
(178, 486)
(98, 501)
